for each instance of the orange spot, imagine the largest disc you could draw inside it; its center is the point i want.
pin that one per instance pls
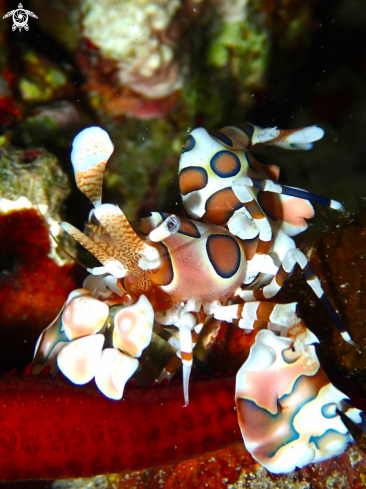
(225, 164)
(125, 321)
(221, 206)
(192, 178)
(224, 254)
(165, 273)
(187, 227)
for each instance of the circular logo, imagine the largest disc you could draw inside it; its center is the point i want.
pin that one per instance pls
(20, 19)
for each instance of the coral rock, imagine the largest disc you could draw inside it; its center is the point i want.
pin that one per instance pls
(35, 277)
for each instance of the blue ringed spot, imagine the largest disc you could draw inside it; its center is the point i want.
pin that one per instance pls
(224, 254)
(221, 206)
(165, 273)
(192, 178)
(189, 144)
(188, 228)
(225, 164)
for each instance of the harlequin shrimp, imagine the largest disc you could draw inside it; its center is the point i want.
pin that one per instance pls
(174, 274)
(220, 181)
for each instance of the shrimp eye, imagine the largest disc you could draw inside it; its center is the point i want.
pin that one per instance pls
(290, 355)
(172, 224)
